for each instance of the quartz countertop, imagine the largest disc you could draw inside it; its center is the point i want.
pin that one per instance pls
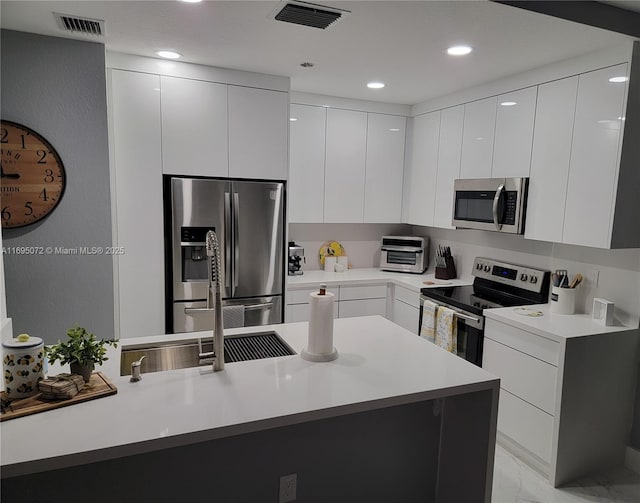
(553, 326)
(364, 276)
(380, 364)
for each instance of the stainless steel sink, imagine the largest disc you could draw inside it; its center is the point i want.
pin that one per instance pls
(183, 354)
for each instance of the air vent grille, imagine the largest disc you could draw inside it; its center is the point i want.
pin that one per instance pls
(308, 14)
(81, 25)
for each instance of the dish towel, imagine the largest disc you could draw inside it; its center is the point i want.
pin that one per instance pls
(447, 329)
(233, 316)
(428, 328)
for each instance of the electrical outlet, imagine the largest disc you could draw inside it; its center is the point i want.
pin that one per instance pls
(288, 488)
(594, 277)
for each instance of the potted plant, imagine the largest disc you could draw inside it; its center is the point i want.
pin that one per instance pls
(82, 351)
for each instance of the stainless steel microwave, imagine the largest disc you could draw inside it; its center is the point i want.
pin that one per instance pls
(490, 204)
(404, 254)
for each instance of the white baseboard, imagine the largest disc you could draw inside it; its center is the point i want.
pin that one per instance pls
(632, 460)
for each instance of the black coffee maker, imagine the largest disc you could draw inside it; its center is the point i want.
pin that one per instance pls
(296, 258)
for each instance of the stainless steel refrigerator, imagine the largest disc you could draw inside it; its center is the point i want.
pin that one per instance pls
(248, 218)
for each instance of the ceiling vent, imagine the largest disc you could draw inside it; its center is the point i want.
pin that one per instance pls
(81, 25)
(309, 14)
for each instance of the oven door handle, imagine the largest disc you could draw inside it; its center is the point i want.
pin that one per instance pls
(459, 313)
(496, 201)
(466, 317)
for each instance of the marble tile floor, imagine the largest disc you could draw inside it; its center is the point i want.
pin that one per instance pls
(515, 482)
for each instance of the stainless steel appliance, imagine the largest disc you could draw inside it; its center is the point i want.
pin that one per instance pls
(495, 284)
(296, 258)
(404, 254)
(248, 218)
(490, 204)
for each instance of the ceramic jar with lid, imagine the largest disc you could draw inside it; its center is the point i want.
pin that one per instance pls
(22, 365)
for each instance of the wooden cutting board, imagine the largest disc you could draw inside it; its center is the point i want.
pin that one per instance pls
(97, 387)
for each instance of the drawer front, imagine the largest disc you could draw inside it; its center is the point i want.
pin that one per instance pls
(302, 296)
(368, 307)
(406, 316)
(300, 312)
(526, 424)
(526, 377)
(363, 292)
(526, 342)
(407, 296)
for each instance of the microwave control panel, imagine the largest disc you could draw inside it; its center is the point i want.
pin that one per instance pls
(519, 276)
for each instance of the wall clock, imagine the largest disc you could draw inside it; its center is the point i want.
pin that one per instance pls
(32, 176)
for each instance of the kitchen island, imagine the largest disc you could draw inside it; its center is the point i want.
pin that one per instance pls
(393, 418)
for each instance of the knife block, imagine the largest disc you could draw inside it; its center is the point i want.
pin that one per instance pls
(448, 272)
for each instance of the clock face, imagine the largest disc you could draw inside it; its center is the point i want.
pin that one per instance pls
(33, 177)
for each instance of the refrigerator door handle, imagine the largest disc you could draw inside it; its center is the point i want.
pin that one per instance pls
(236, 256)
(257, 307)
(227, 238)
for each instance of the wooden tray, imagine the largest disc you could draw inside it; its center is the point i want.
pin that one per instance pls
(97, 387)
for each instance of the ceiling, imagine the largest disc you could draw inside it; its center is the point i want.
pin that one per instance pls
(402, 44)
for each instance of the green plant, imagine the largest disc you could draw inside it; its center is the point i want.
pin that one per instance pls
(82, 348)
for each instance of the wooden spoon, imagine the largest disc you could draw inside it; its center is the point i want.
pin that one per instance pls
(576, 280)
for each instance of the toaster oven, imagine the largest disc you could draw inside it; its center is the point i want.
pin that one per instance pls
(404, 254)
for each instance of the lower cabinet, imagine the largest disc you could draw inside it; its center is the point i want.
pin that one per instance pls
(405, 308)
(565, 402)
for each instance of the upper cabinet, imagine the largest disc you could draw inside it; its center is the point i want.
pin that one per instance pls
(258, 133)
(194, 127)
(420, 179)
(306, 160)
(449, 155)
(514, 133)
(477, 139)
(384, 168)
(345, 166)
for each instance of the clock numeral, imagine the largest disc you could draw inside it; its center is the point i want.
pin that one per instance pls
(49, 176)
(28, 206)
(3, 135)
(42, 154)
(5, 213)
(22, 139)
(43, 195)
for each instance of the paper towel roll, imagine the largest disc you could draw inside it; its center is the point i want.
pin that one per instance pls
(320, 340)
(330, 264)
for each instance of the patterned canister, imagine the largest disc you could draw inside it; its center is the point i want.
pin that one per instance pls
(22, 363)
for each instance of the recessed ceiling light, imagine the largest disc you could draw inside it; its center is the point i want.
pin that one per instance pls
(191, 1)
(508, 103)
(621, 118)
(459, 50)
(618, 79)
(292, 119)
(375, 85)
(169, 54)
(395, 129)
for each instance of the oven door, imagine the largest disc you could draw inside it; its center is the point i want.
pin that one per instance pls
(470, 331)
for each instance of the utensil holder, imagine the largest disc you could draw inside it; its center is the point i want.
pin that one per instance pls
(563, 300)
(448, 272)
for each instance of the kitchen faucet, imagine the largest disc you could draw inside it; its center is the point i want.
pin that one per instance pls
(214, 300)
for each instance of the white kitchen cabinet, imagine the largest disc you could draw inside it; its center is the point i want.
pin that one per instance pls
(364, 307)
(514, 133)
(477, 138)
(550, 159)
(306, 159)
(405, 308)
(449, 155)
(194, 127)
(258, 133)
(345, 166)
(297, 308)
(384, 168)
(593, 170)
(137, 176)
(420, 177)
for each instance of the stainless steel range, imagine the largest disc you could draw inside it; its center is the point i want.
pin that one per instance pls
(495, 284)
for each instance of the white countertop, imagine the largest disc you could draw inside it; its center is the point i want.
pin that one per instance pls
(553, 326)
(380, 364)
(364, 276)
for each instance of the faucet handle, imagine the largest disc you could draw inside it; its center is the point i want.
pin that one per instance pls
(135, 370)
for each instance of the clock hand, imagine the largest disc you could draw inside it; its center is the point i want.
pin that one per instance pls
(13, 176)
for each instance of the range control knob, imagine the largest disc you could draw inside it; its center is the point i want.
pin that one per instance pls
(479, 266)
(534, 279)
(487, 268)
(523, 277)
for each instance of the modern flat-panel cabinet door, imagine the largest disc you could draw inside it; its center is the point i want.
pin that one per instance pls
(477, 138)
(306, 163)
(514, 133)
(449, 154)
(420, 179)
(594, 163)
(194, 127)
(137, 162)
(345, 166)
(258, 133)
(550, 158)
(384, 168)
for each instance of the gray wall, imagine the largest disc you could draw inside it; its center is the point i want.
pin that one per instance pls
(58, 88)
